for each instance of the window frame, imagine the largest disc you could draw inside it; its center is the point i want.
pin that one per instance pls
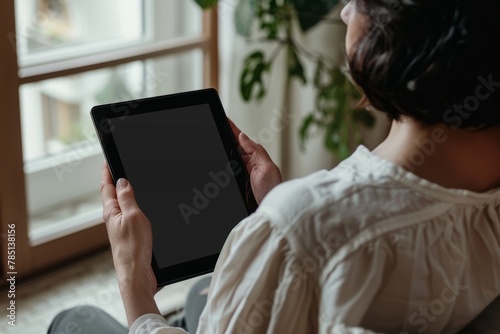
(13, 201)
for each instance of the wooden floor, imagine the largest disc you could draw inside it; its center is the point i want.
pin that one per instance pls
(91, 281)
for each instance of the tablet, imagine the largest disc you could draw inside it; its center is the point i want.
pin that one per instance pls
(180, 156)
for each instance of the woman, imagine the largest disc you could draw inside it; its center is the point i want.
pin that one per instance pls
(402, 239)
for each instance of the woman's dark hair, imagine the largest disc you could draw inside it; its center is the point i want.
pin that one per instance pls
(436, 61)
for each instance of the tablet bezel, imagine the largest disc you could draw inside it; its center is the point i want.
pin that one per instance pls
(103, 116)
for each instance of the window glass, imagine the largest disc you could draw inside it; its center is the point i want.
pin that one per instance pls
(60, 149)
(51, 30)
(62, 157)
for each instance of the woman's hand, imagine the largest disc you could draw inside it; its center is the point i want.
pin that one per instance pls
(264, 174)
(131, 239)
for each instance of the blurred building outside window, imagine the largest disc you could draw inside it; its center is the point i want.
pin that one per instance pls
(62, 157)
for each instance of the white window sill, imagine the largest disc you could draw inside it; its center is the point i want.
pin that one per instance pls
(66, 220)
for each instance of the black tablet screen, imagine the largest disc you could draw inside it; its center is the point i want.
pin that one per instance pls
(182, 178)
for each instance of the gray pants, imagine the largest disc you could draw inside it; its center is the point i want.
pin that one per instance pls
(90, 320)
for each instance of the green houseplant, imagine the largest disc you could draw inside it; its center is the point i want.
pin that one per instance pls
(335, 97)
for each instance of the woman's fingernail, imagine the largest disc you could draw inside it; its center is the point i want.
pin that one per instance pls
(122, 183)
(245, 137)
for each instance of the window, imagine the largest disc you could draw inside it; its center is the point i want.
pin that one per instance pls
(72, 55)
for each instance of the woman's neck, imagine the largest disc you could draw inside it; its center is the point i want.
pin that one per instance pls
(458, 159)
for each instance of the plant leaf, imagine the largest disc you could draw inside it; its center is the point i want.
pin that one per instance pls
(269, 17)
(295, 67)
(304, 129)
(310, 12)
(270, 25)
(244, 16)
(344, 151)
(318, 73)
(326, 101)
(332, 139)
(206, 4)
(251, 78)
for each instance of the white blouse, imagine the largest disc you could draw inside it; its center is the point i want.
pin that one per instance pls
(365, 245)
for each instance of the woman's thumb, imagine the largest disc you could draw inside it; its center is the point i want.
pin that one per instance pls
(121, 184)
(247, 144)
(125, 195)
(257, 151)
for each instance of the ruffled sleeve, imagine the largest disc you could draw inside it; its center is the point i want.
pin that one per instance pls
(153, 324)
(253, 290)
(257, 286)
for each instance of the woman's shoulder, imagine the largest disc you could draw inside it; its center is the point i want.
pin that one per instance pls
(353, 183)
(359, 194)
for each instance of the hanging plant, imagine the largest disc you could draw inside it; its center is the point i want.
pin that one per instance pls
(335, 97)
